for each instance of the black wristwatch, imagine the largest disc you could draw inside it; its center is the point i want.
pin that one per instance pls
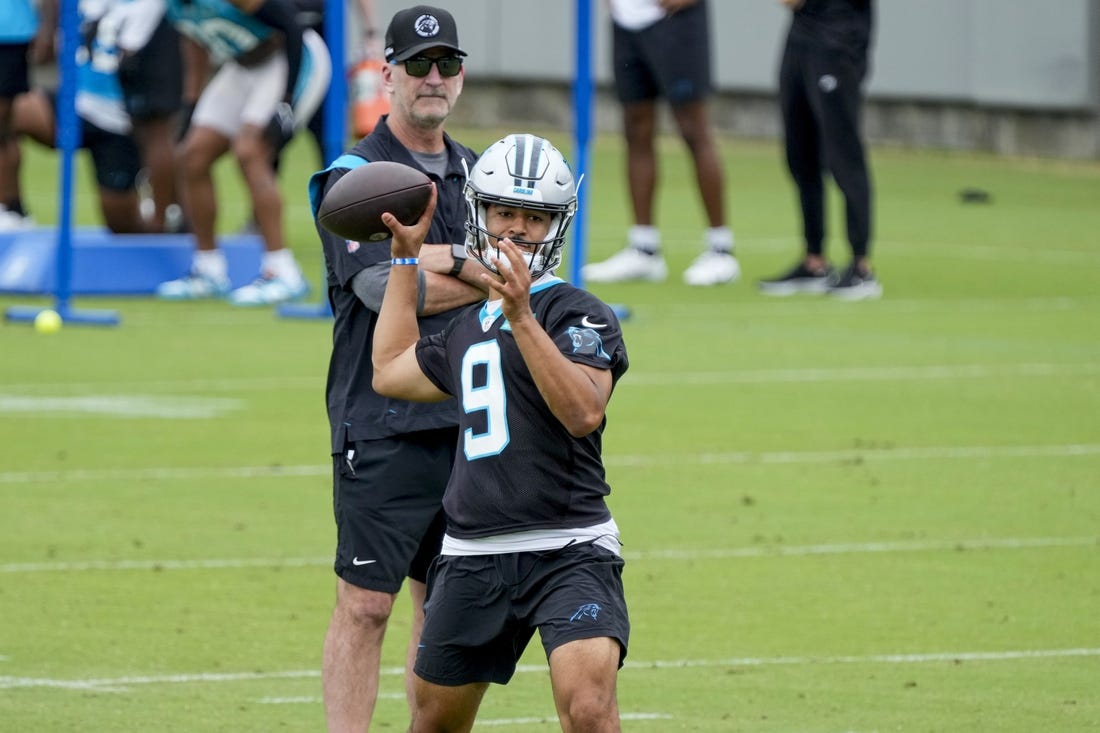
(458, 252)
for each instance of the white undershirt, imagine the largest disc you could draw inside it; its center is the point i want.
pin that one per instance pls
(636, 14)
(606, 535)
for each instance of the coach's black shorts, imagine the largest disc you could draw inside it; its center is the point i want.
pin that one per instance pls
(387, 500)
(669, 59)
(14, 69)
(152, 81)
(482, 610)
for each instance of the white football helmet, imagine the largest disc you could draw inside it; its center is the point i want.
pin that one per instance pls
(524, 171)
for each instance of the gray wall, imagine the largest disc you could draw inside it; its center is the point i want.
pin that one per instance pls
(965, 70)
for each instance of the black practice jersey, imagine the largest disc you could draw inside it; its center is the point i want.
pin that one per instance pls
(517, 467)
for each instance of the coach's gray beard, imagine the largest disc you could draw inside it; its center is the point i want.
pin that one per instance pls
(430, 121)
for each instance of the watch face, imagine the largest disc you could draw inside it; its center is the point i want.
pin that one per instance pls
(458, 251)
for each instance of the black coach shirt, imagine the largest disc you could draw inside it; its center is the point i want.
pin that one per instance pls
(355, 410)
(517, 467)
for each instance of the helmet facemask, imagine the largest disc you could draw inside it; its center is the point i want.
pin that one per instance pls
(526, 172)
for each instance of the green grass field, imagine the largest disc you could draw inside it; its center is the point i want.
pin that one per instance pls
(839, 518)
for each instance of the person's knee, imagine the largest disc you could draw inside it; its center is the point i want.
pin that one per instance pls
(253, 153)
(192, 159)
(592, 709)
(362, 607)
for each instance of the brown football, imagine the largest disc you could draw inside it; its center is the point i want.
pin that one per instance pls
(353, 207)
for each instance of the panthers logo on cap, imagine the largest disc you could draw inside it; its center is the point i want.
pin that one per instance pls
(426, 26)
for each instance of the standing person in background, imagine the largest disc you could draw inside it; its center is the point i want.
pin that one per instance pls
(25, 37)
(661, 48)
(821, 76)
(150, 72)
(311, 15)
(105, 128)
(531, 544)
(272, 77)
(391, 458)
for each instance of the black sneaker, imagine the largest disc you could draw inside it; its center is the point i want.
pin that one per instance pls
(856, 285)
(799, 279)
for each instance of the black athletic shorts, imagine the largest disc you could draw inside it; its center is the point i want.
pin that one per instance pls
(669, 59)
(15, 72)
(152, 81)
(387, 500)
(482, 610)
(115, 157)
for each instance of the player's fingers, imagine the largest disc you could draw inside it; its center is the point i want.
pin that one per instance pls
(426, 217)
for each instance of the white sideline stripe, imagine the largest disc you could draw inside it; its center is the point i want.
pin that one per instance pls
(848, 548)
(679, 378)
(859, 374)
(554, 720)
(125, 405)
(317, 700)
(870, 453)
(120, 683)
(795, 306)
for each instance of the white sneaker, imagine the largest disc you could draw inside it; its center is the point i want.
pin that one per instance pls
(13, 222)
(712, 268)
(193, 287)
(268, 291)
(628, 264)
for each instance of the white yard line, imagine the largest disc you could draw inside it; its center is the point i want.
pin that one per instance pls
(136, 389)
(762, 551)
(868, 454)
(860, 374)
(116, 684)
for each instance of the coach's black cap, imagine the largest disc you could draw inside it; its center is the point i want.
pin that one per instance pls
(419, 28)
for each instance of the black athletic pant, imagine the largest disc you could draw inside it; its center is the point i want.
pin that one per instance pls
(820, 95)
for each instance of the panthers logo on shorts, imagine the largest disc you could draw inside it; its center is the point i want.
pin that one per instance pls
(591, 610)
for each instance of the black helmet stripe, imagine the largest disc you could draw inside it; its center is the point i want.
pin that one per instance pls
(530, 157)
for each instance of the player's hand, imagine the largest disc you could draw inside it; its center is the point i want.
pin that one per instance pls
(513, 281)
(407, 240)
(280, 128)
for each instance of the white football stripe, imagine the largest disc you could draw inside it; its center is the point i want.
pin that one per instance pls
(762, 551)
(640, 666)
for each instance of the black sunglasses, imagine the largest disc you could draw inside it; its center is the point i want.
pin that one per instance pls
(421, 66)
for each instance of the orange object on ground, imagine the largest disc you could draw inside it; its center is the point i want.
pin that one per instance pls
(368, 99)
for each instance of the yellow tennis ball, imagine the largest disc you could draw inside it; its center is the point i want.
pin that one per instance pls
(47, 321)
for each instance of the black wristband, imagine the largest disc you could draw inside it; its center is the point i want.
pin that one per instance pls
(458, 252)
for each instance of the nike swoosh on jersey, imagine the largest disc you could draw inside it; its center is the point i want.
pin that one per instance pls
(589, 324)
(357, 561)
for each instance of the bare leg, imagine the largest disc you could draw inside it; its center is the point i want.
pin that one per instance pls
(699, 136)
(352, 656)
(121, 211)
(441, 709)
(196, 156)
(583, 674)
(255, 159)
(155, 138)
(417, 592)
(639, 129)
(9, 153)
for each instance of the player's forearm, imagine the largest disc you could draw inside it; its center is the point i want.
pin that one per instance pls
(570, 392)
(396, 330)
